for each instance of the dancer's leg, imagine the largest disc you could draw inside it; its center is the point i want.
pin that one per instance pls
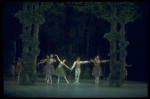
(76, 73)
(97, 80)
(66, 79)
(18, 76)
(79, 71)
(50, 79)
(58, 79)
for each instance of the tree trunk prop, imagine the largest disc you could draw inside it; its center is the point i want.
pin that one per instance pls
(117, 68)
(30, 18)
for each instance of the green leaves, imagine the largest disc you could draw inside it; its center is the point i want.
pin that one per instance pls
(85, 7)
(111, 36)
(25, 17)
(123, 43)
(127, 12)
(26, 38)
(61, 4)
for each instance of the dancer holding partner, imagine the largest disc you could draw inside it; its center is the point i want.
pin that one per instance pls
(60, 71)
(49, 69)
(97, 70)
(77, 63)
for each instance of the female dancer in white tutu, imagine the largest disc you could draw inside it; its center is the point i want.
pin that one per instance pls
(97, 70)
(49, 69)
(60, 71)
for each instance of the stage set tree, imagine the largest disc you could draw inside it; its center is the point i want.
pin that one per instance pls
(31, 18)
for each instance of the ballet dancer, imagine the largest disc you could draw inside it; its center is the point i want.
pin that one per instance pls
(60, 71)
(49, 69)
(97, 70)
(126, 70)
(77, 63)
(18, 67)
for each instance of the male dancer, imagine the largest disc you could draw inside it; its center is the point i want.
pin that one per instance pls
(78, 70)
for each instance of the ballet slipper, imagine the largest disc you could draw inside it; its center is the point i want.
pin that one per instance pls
(75, 82)
(78, 83)
(47, 81)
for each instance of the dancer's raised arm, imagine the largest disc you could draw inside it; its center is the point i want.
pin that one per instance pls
(58, 58)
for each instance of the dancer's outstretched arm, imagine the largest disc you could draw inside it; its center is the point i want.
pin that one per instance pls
(129, 65)
(103, 61)
(83, 62)
(42, 61)
(92, 60)
(67, 66)
(58, 58)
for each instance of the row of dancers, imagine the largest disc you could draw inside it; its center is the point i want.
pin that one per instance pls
(49, 69)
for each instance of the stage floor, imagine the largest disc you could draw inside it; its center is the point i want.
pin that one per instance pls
(86, 89)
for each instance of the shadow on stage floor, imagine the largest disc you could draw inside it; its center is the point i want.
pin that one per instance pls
(86, 89)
